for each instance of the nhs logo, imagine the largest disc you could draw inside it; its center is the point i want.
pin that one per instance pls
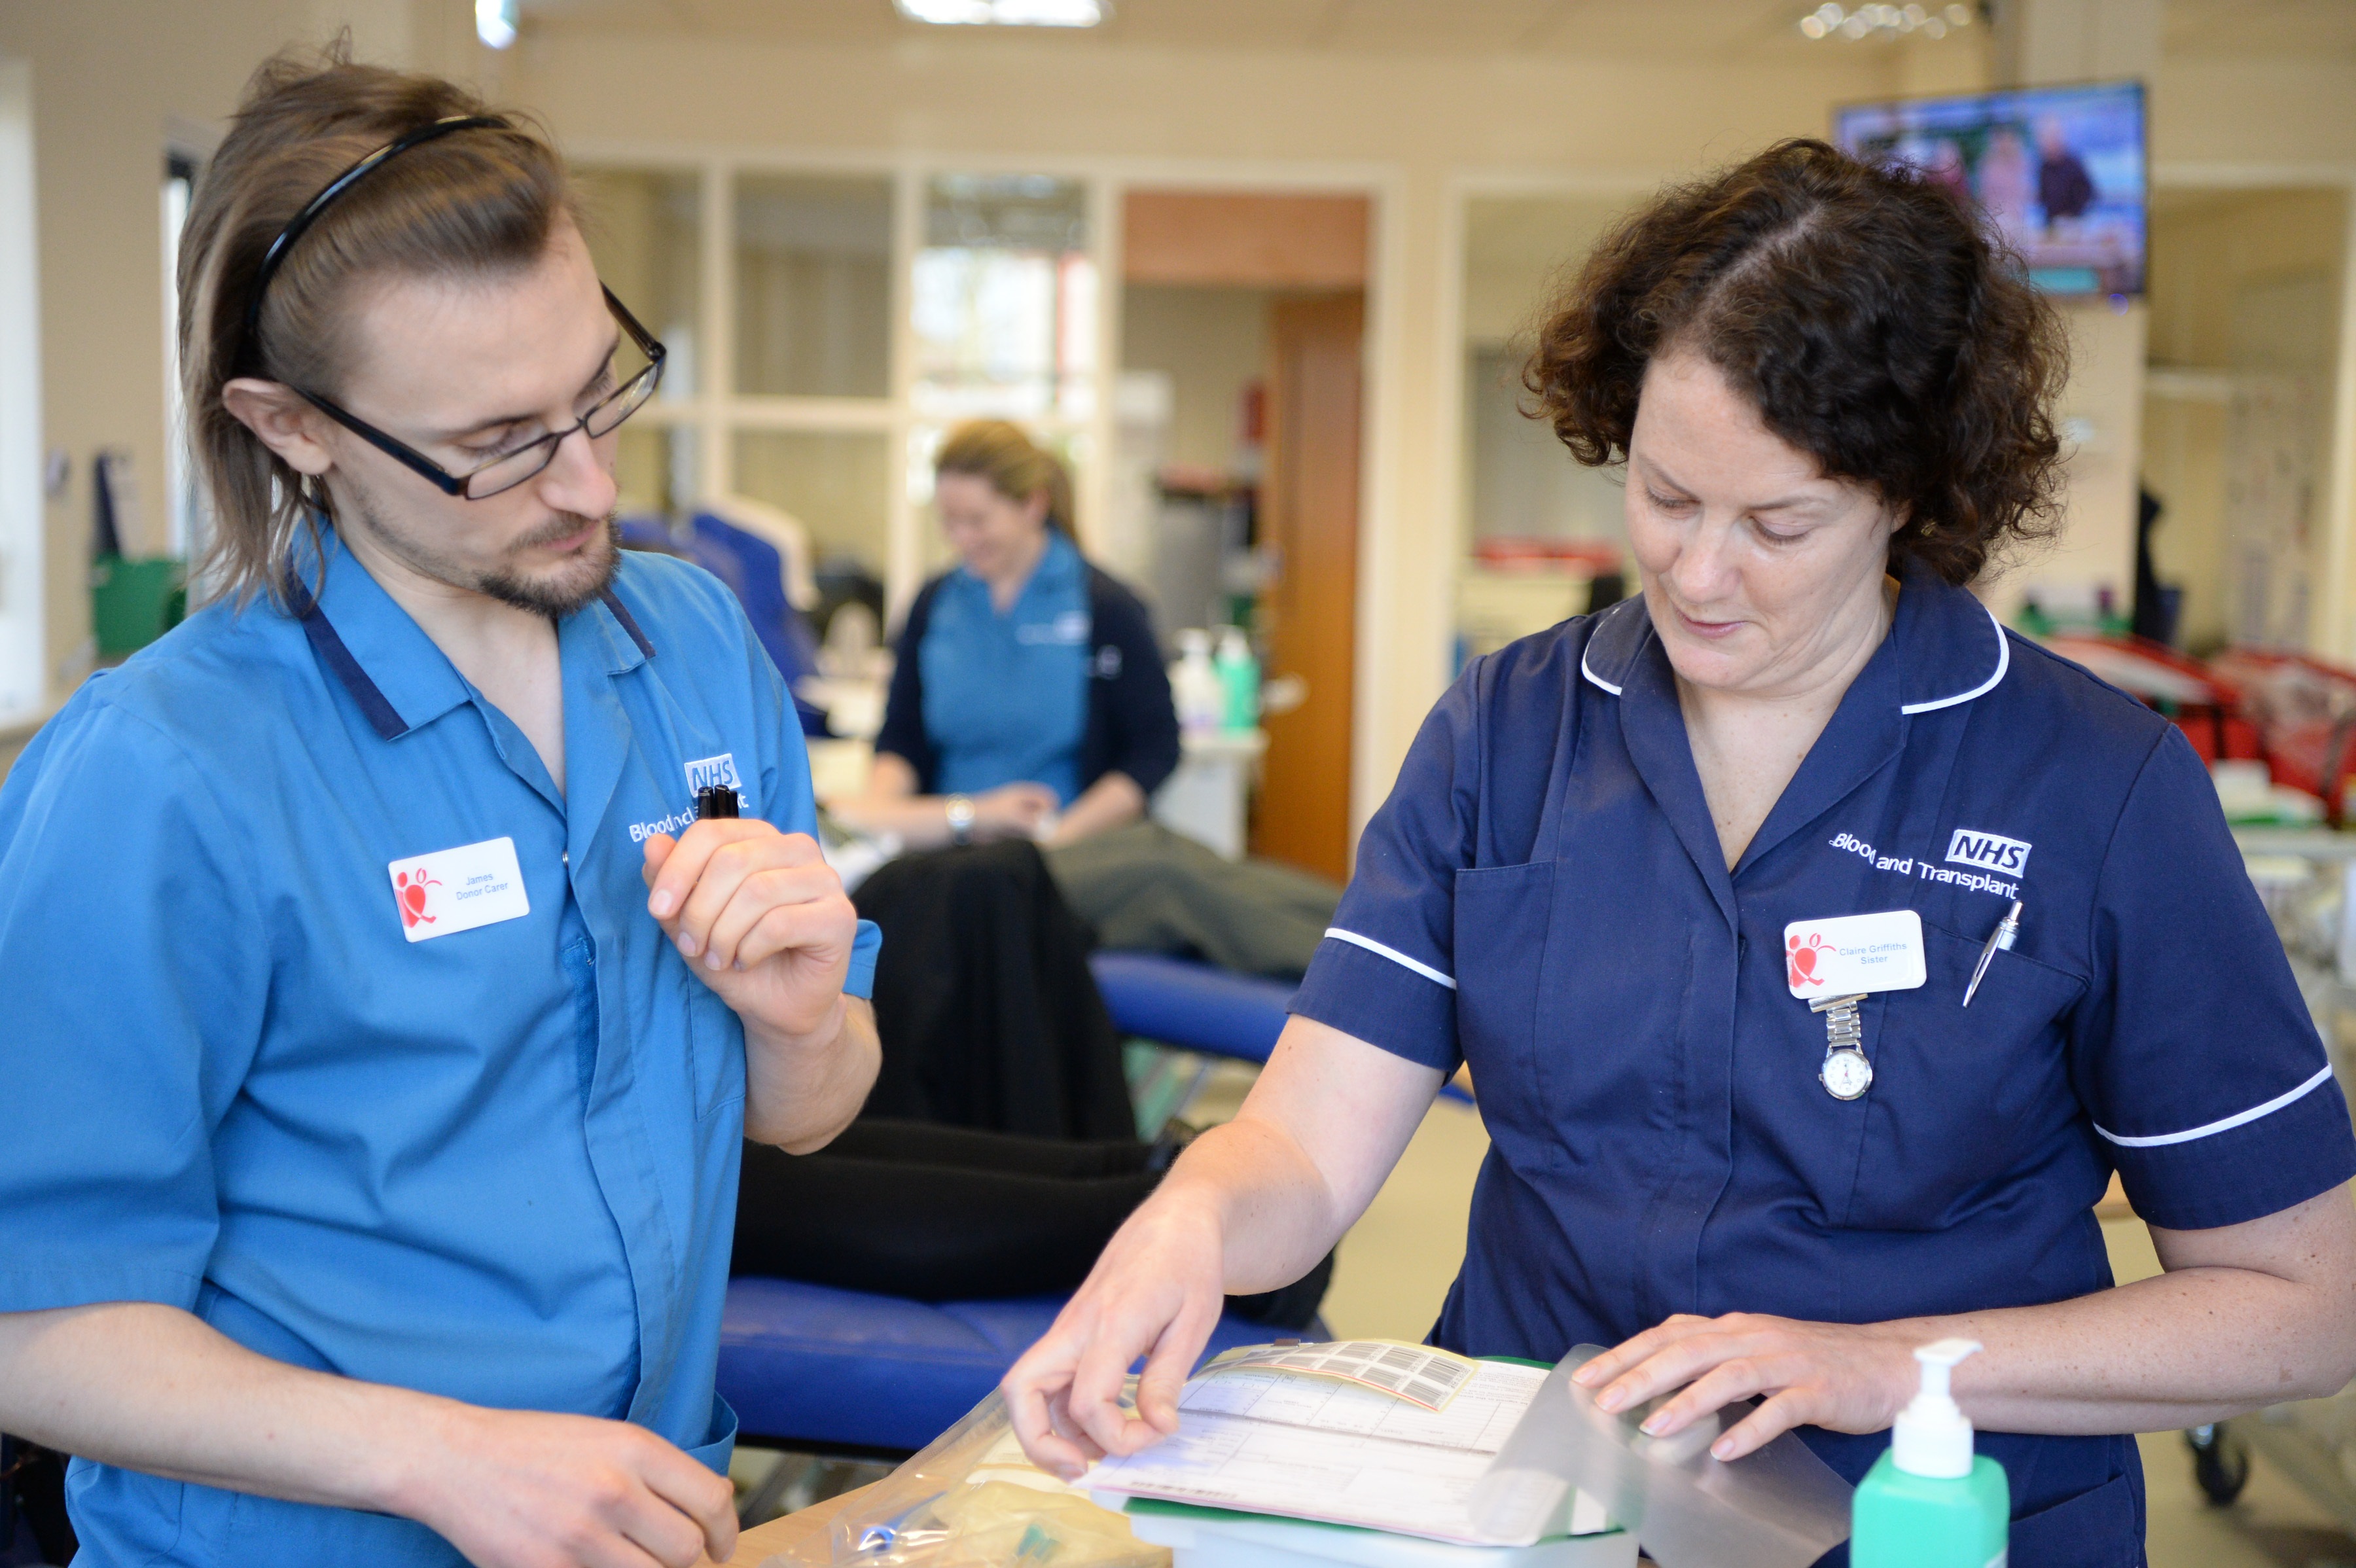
(714, 773)
(1067, 630)
(1988, 851)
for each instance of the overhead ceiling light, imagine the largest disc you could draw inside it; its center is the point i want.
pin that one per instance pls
(495, 22)
(1833, 21)
(1005, 13)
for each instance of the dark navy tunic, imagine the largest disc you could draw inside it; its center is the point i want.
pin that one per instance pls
(1544, 896)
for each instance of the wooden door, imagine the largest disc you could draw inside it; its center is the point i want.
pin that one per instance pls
(1310, 512)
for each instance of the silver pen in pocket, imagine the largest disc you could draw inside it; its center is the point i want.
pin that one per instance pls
(2005, 930)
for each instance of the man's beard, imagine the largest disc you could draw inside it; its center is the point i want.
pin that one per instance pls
(555, 594)
(570, 586)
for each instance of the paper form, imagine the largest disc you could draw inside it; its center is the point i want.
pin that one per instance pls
(1267, 1442)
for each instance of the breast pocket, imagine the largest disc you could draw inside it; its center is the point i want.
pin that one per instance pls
(715, 1050)
(1962, 1097)
(1502, 914)
(1570, 1004)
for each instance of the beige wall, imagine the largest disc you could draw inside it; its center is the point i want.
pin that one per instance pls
(1212, 342)
(1417, 132)
(1426, 130)
(2209, 250)
(114, 82)
(1519, 248)
(2258, 110)
(2238, 130)
(1402, 126)
(2102, 422)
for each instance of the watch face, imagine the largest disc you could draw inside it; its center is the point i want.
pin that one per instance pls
(1847, 1074)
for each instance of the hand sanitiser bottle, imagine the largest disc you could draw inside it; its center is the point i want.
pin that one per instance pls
(1929, 1502)
(1195, 688)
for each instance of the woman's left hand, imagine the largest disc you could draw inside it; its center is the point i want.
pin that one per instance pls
(1844, 1376)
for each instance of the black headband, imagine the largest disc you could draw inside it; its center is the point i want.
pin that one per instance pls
(343, 182)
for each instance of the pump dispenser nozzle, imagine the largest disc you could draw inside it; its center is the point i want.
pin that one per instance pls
(1928, 1503)
(1932, 1437)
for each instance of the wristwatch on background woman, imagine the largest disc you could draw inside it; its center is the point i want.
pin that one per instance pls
(961, 814)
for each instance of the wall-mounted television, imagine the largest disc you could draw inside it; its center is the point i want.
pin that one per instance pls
(2060, 169)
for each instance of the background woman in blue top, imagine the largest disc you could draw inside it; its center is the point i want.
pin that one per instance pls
(1029, 689)
(1831, 392)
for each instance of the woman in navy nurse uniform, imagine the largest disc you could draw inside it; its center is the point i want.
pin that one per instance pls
(1602, 877)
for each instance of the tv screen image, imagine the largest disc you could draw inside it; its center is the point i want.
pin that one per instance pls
(2060, 170)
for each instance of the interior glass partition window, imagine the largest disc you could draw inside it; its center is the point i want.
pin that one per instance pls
(645, 234)
(828, 327)
(645, 229)
(184, 503)
(24, 659)
(1004, 300)
(655, 467)
(813, 285)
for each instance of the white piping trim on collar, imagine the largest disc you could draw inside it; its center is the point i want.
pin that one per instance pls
(1592, 675)
(1372, 946)
(2227, 1125)
(1587, 669)
(2003, 662)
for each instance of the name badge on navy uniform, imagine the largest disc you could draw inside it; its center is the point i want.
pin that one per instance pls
(1833, 964)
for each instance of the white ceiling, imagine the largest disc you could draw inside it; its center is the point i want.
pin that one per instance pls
(1386, 26)
(1623, 27)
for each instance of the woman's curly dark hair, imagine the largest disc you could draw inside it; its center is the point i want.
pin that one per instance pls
(1872, 317)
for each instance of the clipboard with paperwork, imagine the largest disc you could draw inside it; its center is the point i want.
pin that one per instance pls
(1518, 1460)
(1306, 1443)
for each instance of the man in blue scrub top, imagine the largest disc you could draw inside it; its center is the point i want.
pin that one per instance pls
(1699, 886)
(384, 1024)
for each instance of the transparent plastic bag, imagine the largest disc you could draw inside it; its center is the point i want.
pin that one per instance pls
(971, 1499)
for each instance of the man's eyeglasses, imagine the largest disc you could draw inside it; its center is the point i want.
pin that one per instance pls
(520, 464)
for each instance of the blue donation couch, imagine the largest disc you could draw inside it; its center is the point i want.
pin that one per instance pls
(827, 1370)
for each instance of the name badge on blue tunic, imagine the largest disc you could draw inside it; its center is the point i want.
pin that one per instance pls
(452, 891)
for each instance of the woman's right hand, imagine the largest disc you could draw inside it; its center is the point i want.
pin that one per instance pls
(1157, 1292)
(1252, 1204)
(1011, 811)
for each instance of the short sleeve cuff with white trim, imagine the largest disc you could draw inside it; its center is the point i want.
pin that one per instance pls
(2242, 1173)
(2196, 1058)
(1382, 1001)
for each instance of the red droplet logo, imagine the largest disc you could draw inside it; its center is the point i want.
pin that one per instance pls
(410, 888)
(1803, 959)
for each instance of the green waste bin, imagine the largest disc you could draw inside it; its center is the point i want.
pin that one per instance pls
(132, 603)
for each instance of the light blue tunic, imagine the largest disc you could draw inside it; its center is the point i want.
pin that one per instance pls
(1006, 696)
(499, 1165)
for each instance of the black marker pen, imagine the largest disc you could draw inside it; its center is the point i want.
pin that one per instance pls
(714, 800)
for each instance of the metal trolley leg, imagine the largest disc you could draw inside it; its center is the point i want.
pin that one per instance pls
(2220, 1461)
